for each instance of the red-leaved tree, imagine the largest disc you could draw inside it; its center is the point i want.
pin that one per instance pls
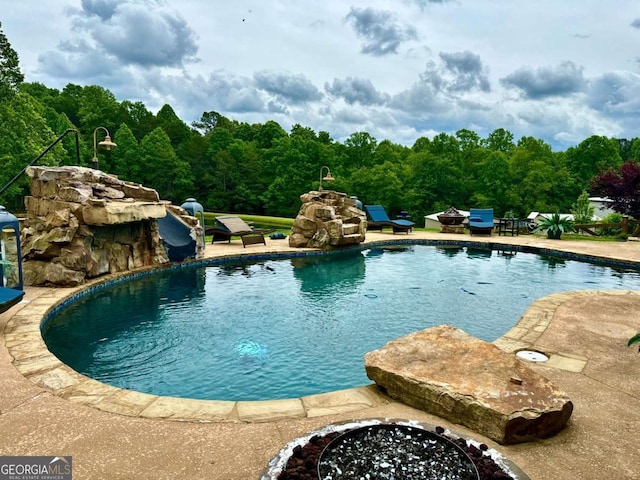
(623, 187)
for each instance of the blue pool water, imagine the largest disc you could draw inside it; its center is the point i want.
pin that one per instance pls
(288, 328)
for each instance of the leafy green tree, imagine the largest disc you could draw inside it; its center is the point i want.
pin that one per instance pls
(210, 120)
(234, 175)
(388, 152)
(45, 95)
(297, 161)
(162, 169)
(138, 118)
(98, 108)
(582, 210)
(174, 127)
(434, 183)
(591, 156)
(215, 179)
(325, 138)
(59, 123)
(245, 177)
(25, 135)
(207, 122)
(10, 75)
(194, 151)
(539, 181)
(491, 183)
(245, 132)
(635, 150)
(381, 184)
(360, 149)
(305, 134)
(423, 144)
(468, 139)
(68, 102)
(126, 163)
(446, 145)
(500, 140)
(268, 134)
(624, 149)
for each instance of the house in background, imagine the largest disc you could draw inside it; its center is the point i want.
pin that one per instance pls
(601, 206)
(536, 217)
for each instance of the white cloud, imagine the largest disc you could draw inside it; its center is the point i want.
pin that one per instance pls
(423, 67)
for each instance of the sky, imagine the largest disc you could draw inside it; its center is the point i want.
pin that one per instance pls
(558, 70)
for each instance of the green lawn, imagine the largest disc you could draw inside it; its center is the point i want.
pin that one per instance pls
(282, 224)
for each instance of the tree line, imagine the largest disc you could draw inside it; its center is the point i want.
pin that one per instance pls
(237, 167)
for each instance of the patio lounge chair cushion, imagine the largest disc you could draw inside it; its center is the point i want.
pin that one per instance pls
(9, 297)
(378, 219)
(480, 220)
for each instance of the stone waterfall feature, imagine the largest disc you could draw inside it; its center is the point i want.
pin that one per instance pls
(82, 223)
(327, 219)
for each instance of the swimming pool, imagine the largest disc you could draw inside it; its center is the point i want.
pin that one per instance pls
(287, 328)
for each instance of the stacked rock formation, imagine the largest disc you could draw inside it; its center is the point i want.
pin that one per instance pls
(326, 220)
(82, 223)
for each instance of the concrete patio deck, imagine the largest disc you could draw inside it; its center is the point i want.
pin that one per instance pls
(47, 409)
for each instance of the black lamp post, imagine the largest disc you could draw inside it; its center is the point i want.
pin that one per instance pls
(107, 143)
(327, 178)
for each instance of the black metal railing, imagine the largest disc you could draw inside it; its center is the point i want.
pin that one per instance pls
(35, 160)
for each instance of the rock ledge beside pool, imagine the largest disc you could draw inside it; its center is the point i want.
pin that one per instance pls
(446, 372)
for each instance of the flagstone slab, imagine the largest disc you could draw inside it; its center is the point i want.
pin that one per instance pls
(446, 372)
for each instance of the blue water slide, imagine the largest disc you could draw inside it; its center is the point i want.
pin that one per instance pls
(176, 237)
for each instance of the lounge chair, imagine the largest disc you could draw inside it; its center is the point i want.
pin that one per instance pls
(231, 226)
(9, 297)
(481, 220)
(377, 219)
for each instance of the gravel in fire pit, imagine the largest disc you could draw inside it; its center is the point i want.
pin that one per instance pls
(394, 452)
(299, 460)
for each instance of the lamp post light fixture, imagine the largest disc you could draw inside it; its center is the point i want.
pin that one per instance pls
(327, 178)
(107, 143)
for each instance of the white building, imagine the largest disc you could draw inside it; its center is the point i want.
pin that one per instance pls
(601, 206)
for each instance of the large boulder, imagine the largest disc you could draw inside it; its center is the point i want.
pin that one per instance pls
(448, 373)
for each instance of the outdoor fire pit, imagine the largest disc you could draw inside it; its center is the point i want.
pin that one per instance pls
(451, 216)
(394, 452)
(390, 450)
